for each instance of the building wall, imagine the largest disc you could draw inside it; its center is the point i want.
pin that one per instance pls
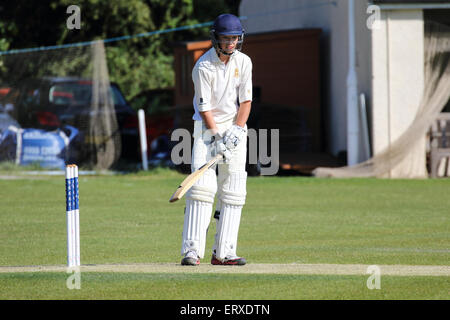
(398, 82)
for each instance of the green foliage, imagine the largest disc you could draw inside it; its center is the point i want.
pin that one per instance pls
(4, 43)
(138, 71)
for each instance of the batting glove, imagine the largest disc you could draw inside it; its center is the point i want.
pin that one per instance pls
(234, 136)
(220, 148)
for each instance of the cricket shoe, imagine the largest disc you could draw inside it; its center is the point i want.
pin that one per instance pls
(190, 259)
(228, 261)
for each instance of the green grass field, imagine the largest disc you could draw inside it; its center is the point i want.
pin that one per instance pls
(127, 219)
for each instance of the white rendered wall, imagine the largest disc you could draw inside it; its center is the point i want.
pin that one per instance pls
(398, 82)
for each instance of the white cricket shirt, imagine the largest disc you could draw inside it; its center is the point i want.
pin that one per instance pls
(220, 87)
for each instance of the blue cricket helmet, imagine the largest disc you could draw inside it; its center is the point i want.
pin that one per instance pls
(227, 25)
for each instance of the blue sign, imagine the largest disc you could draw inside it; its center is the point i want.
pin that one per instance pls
(47, 148)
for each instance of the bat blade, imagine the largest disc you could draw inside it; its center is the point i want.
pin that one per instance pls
(192, 178)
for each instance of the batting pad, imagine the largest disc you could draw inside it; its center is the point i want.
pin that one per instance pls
(205, 188)
(197, 216)
(233, 193)
(227, 231)
(233, 190)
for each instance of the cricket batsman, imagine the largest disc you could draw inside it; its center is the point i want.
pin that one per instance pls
(223, 94)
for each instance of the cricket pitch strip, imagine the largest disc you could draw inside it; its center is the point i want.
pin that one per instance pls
(251, 268)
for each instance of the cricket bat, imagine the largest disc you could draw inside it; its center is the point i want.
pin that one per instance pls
(192, 178)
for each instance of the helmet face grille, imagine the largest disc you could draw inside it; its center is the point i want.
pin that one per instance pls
(216, 43)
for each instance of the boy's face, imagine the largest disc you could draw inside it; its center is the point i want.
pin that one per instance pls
(228, 43)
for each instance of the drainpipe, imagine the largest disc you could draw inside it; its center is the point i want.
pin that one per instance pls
(352, 92)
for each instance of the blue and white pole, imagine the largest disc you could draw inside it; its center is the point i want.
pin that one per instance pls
(73, 216)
